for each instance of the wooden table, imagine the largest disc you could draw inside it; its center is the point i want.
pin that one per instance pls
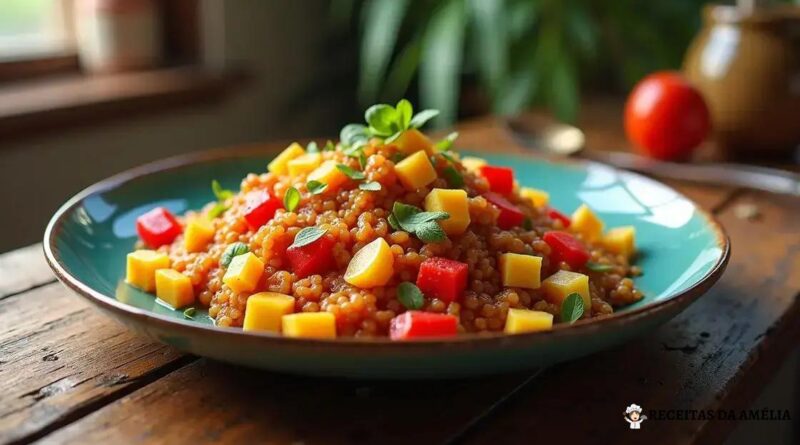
(68, 374)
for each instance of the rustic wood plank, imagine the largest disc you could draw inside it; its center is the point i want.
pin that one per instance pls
(60, 358)
(209, 402)
(23, 269)
(716, 355)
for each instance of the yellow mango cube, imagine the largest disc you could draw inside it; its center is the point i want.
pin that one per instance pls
(455, 203)
(415, 171)
(327, 173)
(265, 310)
(303, 164)
(244, 272)
(371, 266)
(412, 141)
(279, 165)
(585, 222)
(539, 198)
(621, 240)
(473, 163)
(199, 232)
(520, 321)
(561, 284)
(309, 325)
(174, 288)
(141, 268)
(520, 270)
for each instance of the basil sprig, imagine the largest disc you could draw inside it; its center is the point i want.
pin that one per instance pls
(222, 195)
(422, 224)
(409, 295)
(307, 236)
(233, 250)
(572, 308)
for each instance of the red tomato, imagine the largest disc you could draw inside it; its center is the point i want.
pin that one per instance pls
(158, 227)
(311, 259)
(666, 117)
(416, 324)
(556, 215)
(566, 248)
(261, 207)
(510, 216)
(442, 278)
(501, 179)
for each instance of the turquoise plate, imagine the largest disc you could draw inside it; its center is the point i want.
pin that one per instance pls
(683, 251)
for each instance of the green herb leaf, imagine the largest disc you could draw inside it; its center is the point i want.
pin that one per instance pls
(220, 193)
(397, 157)
(370, 186)
(291, 199)
(409, 295)
(404, 113)
(430, 232)
(189, 313)
(453, 177)
(449, 156)
(572, 308)
(393, 222)
(362, 160)
(382, 119)
(307, 236)
(446, 143)
(316, 187)
(312, 147)
(597, 267)
(218, 209)
(422, 118)
(527, 224)
(354, 135)
(233, 250)
(351, 173)
(329, 146)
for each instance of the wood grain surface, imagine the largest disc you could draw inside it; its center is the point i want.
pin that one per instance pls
(68, 374)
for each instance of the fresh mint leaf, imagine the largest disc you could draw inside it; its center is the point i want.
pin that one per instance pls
(430, 232)
(393, 222)
(422, 118)
(382, 120)
(422, 224)
(354, 135)
(316, 187)
(370, 186)
(453, 177)
(220, 193)
(572, 308)
(409, 295)
(233, 250)
(404, 112)
(397, 157)
(307, 236)
(291, 199)
(189, 313)
(597, 267)
(351, 173)
(218, 209)
(527, 224)
(446, 143)
(312, 147)
(329, 146)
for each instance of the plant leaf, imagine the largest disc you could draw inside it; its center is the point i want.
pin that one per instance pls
(307, 236)
(353, 134)
(491, 37)
(409, 295)
(440, 63)
(393, 222)
(598, 267)
(291, 199)
(381, 22)
(218, 209)
(312, 147)
(382, 119)
(316, 187)
(370, 186)
(430, 232)
(422, 118)
(351, 173)
(189, 313)
(572, 308)
(404, 113)
(233, 250)
(446, 143)
(453, 177)
(220, 193)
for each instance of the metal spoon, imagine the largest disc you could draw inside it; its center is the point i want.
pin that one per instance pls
(557, 138)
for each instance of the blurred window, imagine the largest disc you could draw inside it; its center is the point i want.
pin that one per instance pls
(34, 29)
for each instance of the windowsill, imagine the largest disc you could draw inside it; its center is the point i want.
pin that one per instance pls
(75, 100)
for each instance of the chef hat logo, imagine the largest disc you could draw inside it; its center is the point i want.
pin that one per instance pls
(633, 408)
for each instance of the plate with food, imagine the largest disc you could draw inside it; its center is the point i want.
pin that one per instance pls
(386, 254)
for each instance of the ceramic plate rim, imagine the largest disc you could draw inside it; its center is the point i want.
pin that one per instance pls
(582, 327)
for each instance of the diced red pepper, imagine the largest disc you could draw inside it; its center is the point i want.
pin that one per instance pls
(510, 215)
(567, 248)
(158, 227)
(311, 259)
(556, 215)
(443, 278)
(501, 179)
(261, 207)
(416, 324)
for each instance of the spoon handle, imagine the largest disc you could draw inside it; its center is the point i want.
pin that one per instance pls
(736, 175)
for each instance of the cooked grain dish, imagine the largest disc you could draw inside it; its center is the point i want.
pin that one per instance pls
(385, 233)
